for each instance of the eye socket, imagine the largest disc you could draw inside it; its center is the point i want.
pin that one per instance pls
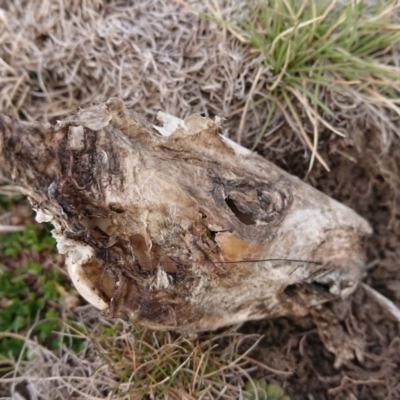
(315, 287)
(245, 218)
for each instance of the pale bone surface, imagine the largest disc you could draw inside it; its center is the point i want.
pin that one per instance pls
(178, 228)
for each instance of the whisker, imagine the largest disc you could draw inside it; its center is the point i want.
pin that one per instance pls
(287, 260)
(319, 273)
(270, 259)
(295, 269)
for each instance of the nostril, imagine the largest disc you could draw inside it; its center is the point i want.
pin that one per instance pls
(290, 290)
(313, 288)
(321, 288)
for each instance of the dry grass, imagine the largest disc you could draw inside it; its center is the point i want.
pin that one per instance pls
(58, 55)
(122, 362)
(312, 67)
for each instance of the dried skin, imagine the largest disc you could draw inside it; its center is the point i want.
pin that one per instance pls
(184, 231)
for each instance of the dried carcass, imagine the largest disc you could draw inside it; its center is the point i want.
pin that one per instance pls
(176, 227)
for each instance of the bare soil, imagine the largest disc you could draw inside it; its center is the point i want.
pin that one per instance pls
(367, 181)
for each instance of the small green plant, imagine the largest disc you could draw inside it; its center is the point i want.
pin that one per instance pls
(262, 390)
(30, 240)
(38, 80)
(30, 292)
(313, 49)
(25, 293)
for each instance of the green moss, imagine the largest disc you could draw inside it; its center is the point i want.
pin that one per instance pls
(29, 292)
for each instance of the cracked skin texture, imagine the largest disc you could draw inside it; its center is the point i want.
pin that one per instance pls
(175, 227)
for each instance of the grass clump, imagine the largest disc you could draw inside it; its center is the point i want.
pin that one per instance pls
(317, 54)
(164, 365)
(123, 362)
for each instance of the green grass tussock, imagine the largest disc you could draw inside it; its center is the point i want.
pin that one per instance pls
(316, 52)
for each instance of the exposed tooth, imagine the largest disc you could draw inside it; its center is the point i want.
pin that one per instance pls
(76, 255)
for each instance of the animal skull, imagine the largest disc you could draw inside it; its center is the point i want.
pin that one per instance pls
(176, 227)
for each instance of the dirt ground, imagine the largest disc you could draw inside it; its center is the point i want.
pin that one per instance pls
(74, 54)
(369, 183)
